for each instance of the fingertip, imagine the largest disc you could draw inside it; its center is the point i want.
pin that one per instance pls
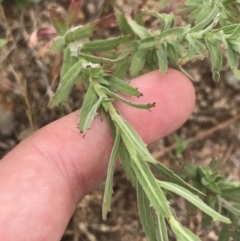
(174, 96)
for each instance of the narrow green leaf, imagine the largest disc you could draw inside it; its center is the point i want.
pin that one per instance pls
(181, 233)
(194, 199)
(172, 34)
(123, 24)
(100, 60)
(58, 21)
(137, 62)
(118, 97)
(162, 234)
(120, 70)
(150, 185)
(233, 60)
(201, 13)
(162, 59)
(131, 137)
(147, 43)
(106, 44)
(231, 194)
(90, 116)
(65, 86)
(139, 18)
(192, 47)
(166, 19)
(152, 60)
(73, 12)
(103, 81)
(89, 109)
(235, 44)
(91, 96)
(224, 236)
(109, 181)
(126, 163)
(86, 31)
(140, 31)
(145, 214)
(118, 85)
(206, 20)
(58, 45)
(231, 31)
(216, 58)
(170, 176)
(180, 50)
(78, 33)
(201, 50)
(232, 207)
(68, 61)
(174, 58)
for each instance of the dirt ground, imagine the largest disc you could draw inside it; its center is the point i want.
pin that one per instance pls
(28, 77)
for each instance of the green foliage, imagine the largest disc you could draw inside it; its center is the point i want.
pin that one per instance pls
(102, 66)
(23, 3)
(181, 145)
(223, 194)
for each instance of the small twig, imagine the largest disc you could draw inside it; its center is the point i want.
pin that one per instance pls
(84, 229)
(104, 228)
(25, 98)
(200, 136)
(7, 50)
(228, 153)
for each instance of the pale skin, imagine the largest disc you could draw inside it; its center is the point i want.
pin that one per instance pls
(47, 174)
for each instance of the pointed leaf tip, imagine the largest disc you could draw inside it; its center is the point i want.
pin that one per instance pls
(58, 21)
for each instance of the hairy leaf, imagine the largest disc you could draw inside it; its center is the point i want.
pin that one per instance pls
(137, 62)
(73, 12)
(118, 85)
(118, 97)
(123, 24)
(104, 45)
(120, 70)
(109, 181)
(181, 233)
(162, 234)
(58, 45)
(170, 176)
(166, 19)
(224, 236)
(195, 200)
(66, 85)
(78, 33)
(147, 43)
(58, 21)
(100, 60)
(145, 214)
(173, 34)
(140, 31)
(233, 60)
(150, 186)
(68, 61)
(89, 104)
(126, 162)
(162, 59)
(216, 58)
